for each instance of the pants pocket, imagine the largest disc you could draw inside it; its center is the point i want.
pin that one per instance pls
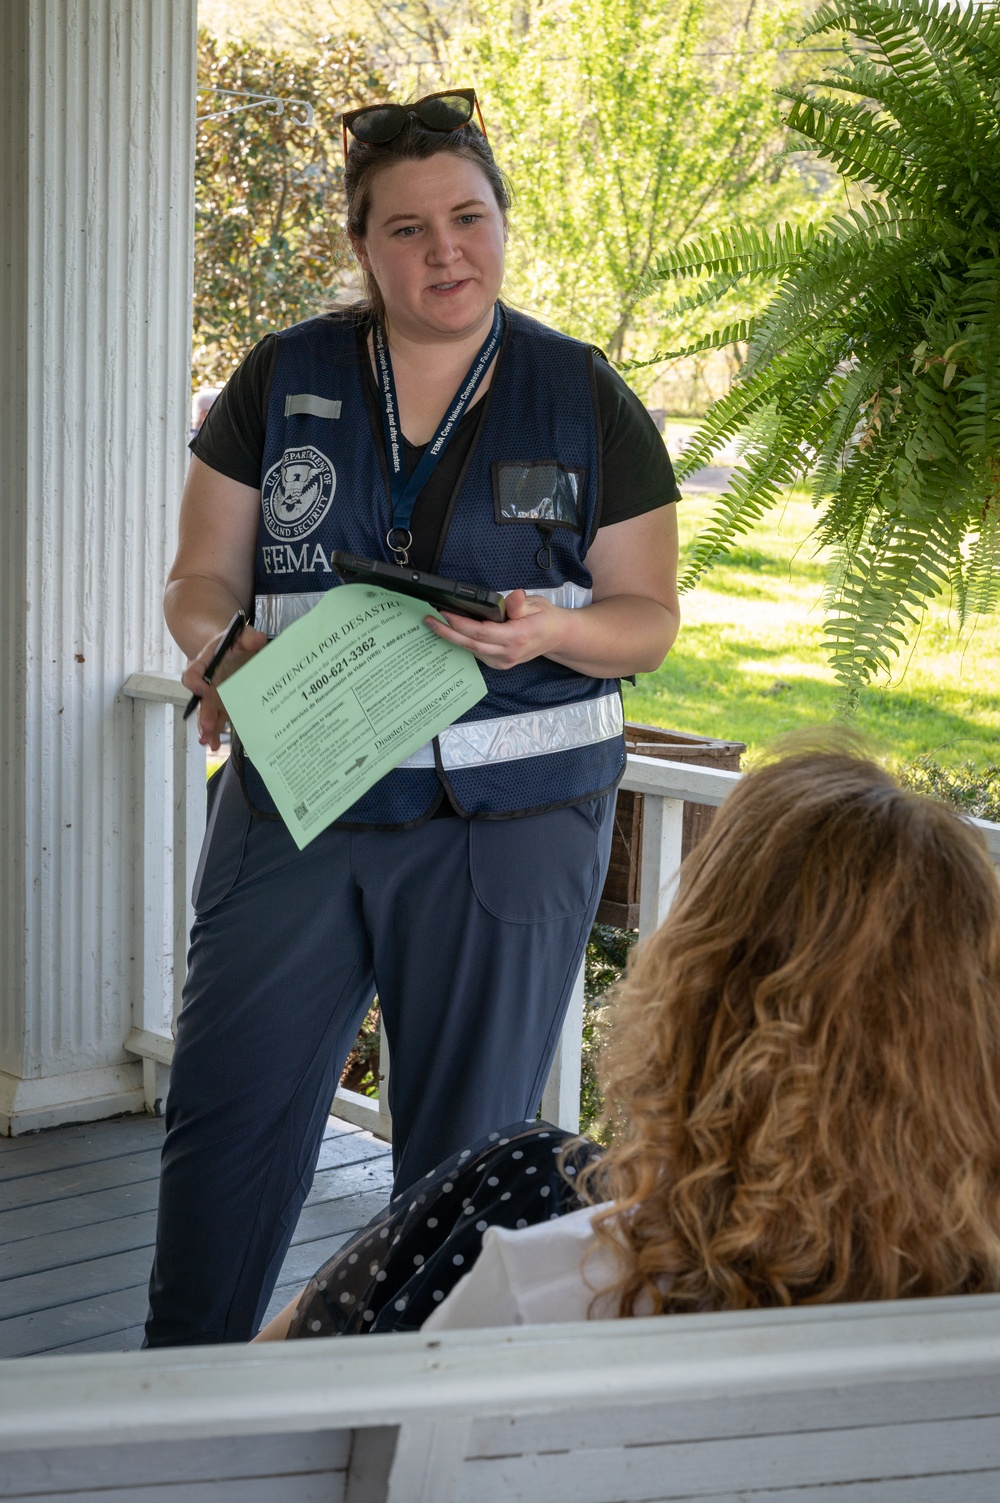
(547, 866)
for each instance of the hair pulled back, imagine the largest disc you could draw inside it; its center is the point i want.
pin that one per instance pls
(415, 143)
(805, 1068)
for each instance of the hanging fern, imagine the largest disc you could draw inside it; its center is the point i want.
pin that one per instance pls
(874, 368)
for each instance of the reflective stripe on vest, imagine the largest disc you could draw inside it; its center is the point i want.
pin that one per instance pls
(272, 613)
(508, 738)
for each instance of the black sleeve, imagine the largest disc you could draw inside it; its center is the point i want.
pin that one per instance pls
(231, 439)
(638, 475)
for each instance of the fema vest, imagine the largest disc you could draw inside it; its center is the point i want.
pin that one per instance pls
(523, 516)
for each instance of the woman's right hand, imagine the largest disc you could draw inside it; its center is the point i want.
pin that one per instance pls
(212, 576)
(212, 716)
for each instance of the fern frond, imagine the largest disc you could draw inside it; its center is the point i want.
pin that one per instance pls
(982, 577)
(853, 392)
(743, 251)
(751, 493)
(875, 363)
(977, 309)
(881, 595)
(734, 333)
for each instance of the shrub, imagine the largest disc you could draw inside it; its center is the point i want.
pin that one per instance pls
(975, 791)
(607, 956)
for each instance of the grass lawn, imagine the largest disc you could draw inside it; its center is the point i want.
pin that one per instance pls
(749, 663)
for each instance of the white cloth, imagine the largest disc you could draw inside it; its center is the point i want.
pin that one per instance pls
(535, 1276)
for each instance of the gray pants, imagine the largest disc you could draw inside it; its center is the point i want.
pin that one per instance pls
(471, 932)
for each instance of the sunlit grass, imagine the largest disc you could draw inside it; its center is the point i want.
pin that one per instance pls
(749, 663)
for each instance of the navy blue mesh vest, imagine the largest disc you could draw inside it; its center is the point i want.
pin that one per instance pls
(523, 515)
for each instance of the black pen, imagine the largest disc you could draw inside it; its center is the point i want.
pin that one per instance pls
(233, 630)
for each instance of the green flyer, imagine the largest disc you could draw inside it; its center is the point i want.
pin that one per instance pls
(344, 695)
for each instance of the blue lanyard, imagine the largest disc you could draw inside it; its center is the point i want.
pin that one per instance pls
(405, 492)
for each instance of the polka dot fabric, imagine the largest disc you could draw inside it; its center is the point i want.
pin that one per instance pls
(399, 1267)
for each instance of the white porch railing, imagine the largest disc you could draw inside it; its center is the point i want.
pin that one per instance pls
(170, 818)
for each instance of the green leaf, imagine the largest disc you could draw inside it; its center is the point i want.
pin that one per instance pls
(874, 362)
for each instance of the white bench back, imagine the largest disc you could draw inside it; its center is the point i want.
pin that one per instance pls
(892, 1403)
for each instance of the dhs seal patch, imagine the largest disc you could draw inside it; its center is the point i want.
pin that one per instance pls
(297, 492)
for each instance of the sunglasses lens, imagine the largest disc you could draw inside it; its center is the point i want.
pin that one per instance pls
(379, 124)
(447, 112)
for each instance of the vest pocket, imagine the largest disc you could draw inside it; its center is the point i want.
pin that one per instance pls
(546, 866)
(538, 490)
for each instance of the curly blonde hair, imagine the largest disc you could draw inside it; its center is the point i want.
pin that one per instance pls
(805, 1070)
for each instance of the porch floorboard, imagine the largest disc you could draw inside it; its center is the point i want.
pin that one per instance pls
(78, 1217)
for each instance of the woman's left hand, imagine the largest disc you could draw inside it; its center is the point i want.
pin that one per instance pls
(532, 630)
(627, 628)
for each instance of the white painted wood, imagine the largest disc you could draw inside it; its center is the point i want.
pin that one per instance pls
(362, 1111)
(662, 839)
(972, 1487)
(160, 688)
(678, 1470)
(384, 1063)
(189, 818)
(154, 867)
(808, 1410)
(663, 779)
(220, 1459)
(627, 1407)
(372, 1453)
(709, 785)
(561, 1097)
(991, 834)
(981, 1487)
(169, 821)
(369, 1112)
(16, 249)
(97, 108)
(83, 1096)
(322, 1487)
(155, 1083)
(156, 1047)
(408, 1379)
(427, 1462)
(156, 1050)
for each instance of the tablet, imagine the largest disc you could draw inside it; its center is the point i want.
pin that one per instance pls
(444, 594)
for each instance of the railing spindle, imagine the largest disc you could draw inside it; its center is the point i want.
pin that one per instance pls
(154, 849)
(662, 836)
(189, 808)
(561, 1098)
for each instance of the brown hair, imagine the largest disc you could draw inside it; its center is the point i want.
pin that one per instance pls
(805, 1074)
(415, 143)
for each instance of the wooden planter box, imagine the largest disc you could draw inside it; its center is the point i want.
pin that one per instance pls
(619, 903)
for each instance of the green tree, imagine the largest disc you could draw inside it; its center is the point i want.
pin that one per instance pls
(269, 243)
(626, 125)
(874, 367)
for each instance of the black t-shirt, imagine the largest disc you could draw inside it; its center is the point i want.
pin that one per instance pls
(638, 475)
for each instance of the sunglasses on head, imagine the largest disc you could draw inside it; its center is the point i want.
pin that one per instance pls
(375, 124)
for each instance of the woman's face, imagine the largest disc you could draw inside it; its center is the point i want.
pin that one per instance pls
(435, 246)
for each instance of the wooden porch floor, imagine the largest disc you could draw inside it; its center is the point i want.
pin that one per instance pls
(77, 1219)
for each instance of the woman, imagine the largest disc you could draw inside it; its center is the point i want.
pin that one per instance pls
(806, 1076)
(463, 885)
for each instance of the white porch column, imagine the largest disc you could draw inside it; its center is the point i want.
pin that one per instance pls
(97, 110)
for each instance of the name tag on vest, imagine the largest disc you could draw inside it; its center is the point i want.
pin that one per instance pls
(311, 406)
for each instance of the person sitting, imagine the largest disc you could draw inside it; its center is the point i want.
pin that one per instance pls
(802, 1091)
